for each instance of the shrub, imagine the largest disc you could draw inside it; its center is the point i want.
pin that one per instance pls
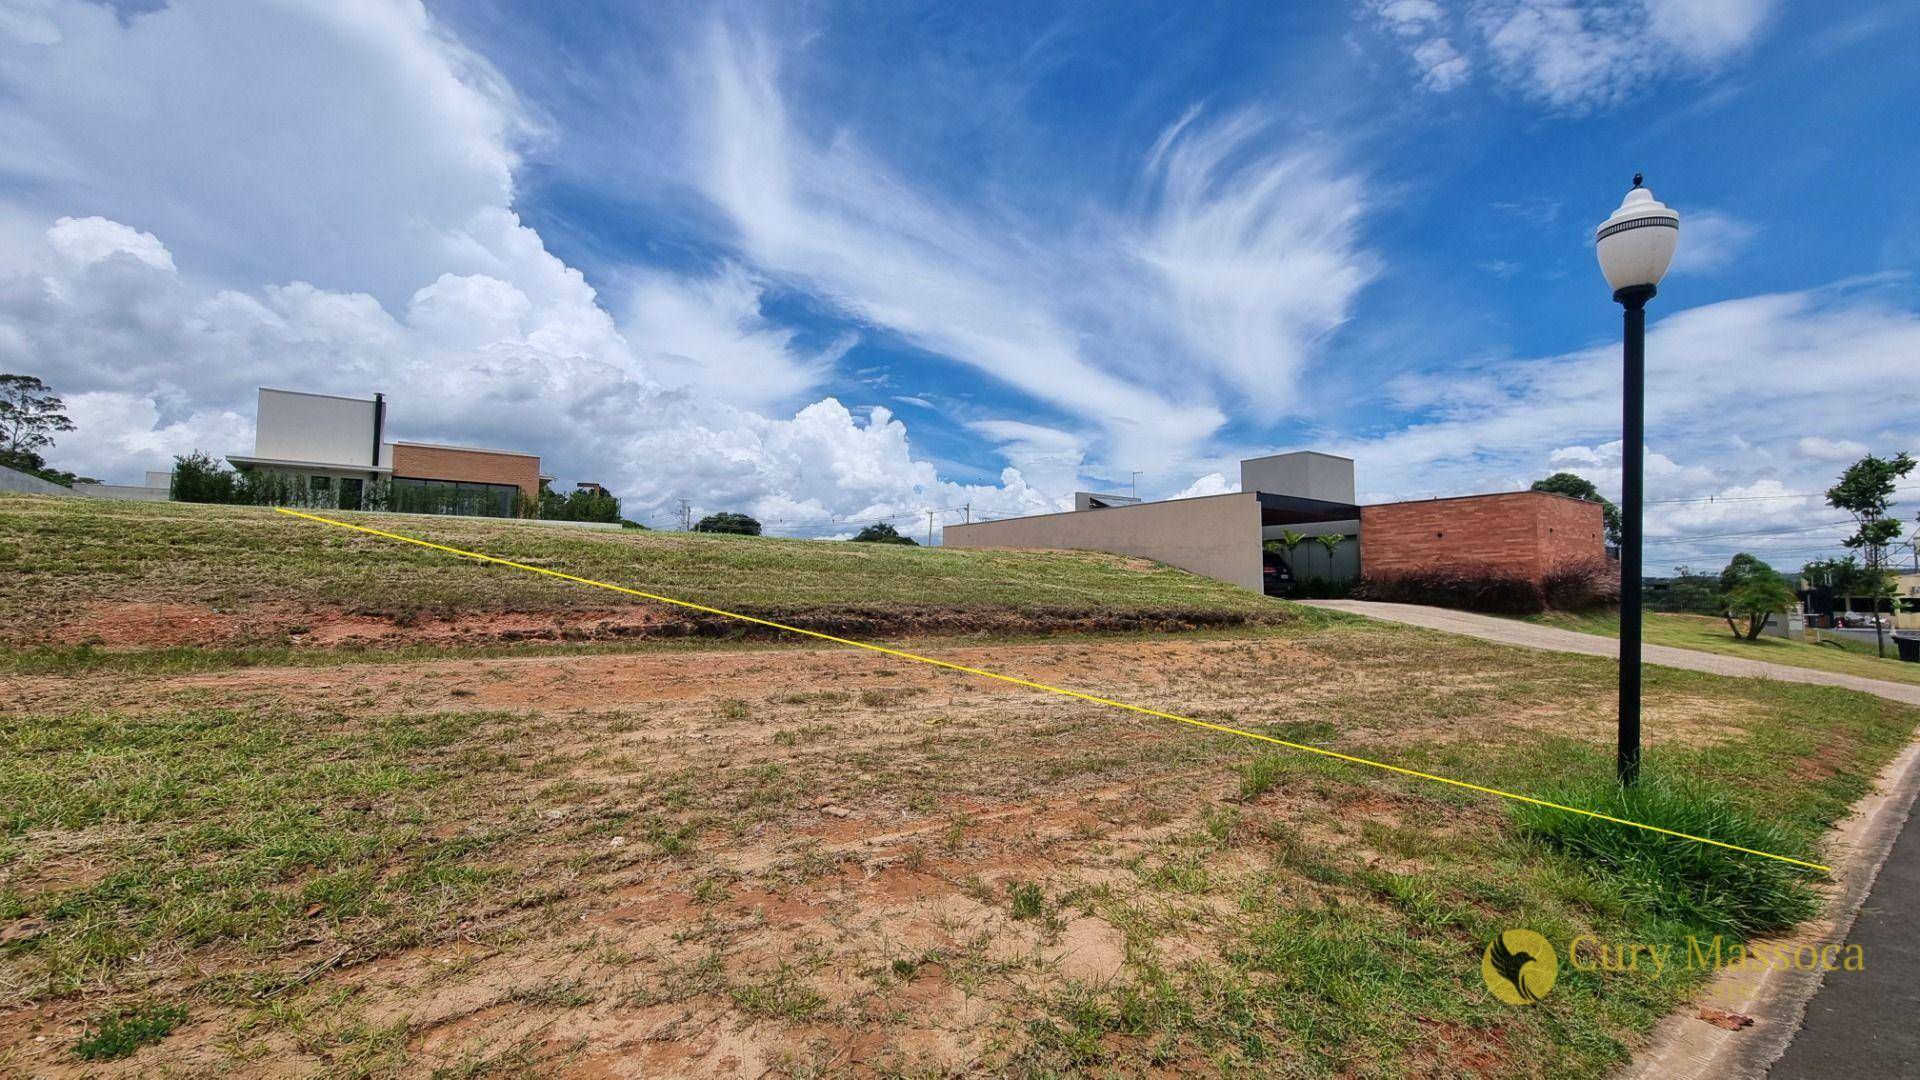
(1579, 586)
(1323, 588)
(1707, 887)
(581, 504)
(197, 477)
(1479, 587)
(1459, 585)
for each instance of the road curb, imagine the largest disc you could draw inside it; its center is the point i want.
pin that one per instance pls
(1685, 1047)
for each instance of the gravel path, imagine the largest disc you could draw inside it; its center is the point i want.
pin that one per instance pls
(1553, 639)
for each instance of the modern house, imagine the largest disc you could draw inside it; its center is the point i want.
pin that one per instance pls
(1520, 533)
(338, 446)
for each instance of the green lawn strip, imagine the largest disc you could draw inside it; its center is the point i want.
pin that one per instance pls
(67, 552)
(1704, 633)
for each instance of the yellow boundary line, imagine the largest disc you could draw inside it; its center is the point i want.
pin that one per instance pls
(1030, 684)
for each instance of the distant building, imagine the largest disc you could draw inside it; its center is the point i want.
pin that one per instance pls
(338, 445)
(1520, 533)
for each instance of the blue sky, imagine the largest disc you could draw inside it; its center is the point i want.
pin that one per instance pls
(832, 263)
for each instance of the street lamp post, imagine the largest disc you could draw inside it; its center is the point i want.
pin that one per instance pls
(1635, 246)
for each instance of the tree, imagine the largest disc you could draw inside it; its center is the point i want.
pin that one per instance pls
(728, 522)
(1332, 542)
(1752, 590)
(882, 533)
(1287, 542)
(30, 415)
(1866, 491)
(1579, 487)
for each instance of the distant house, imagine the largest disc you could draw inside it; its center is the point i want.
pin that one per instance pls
(1522, 534)
(338, 446)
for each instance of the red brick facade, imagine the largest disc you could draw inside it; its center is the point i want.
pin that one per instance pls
(1522, 533)
(421, 462)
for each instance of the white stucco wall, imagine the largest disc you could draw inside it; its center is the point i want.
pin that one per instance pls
(314, 427)
(1216, 535)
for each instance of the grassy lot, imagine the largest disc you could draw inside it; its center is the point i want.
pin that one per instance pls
(253, 577)
(1707, 634)
(550, 863)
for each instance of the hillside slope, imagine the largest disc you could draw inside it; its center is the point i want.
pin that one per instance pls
(135, 574)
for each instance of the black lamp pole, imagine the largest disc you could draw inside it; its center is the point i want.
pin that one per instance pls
(1632, 437)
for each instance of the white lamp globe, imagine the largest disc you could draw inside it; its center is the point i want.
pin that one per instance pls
(1636, 244)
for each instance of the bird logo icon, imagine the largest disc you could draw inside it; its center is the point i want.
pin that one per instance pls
(1519, 967)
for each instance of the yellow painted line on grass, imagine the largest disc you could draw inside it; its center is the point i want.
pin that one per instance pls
(1031, 685)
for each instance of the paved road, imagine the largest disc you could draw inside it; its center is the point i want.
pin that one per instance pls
(1867, 1023)
(1554, 639)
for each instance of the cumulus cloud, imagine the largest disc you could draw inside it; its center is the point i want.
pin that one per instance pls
(85, 241)
(1715, 448)
(319, 195)
(1210, 484)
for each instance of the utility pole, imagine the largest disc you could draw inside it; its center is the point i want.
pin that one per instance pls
(686, 516)
(929, 526)
(969, 512)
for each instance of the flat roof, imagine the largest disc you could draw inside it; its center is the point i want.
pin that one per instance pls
(1297, 453)
(248, 459)
(309, 393)
(469, 449)
(1483, 495)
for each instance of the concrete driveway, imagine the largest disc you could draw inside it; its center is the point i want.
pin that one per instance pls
(1553, 639)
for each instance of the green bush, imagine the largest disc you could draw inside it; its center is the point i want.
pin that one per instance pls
(579, 505)
(1700, 885)
(1323, 588)
(728, 522)
(883, 533)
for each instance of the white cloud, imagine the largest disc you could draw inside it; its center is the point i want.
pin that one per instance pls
(1259, 257)
(1409, 18)
(334, 181)
(1572, 55)
(88, 240)
(1210, 484)
(1237, 260)
(1578, 56)
(1442, 64)
(1831, 353)
(1710, 239)
(1821, 448)
(711, 334)
(1049, 458)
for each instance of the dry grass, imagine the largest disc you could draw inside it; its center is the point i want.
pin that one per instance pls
(815, 861)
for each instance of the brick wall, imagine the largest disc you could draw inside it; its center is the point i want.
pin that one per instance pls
(475, 466)
(1525, 533)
